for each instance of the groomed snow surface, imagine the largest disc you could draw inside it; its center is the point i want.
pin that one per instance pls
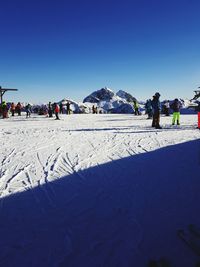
(97, 190)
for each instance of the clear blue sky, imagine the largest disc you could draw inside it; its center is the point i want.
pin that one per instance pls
(55, 49)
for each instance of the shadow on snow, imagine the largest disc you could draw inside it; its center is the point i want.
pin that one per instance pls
(121, 213)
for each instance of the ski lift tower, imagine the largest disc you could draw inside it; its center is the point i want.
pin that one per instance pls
(197, 94)
(3, 90)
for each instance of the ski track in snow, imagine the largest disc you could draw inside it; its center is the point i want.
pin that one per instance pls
(55, 149)
(38, 151)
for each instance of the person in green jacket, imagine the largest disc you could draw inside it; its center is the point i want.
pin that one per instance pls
(4, 110)
(136, 107)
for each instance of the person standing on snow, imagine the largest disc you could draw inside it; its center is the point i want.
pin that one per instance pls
(166, 107)
(19, 108)
(68, 108)
(61, 108)
(12, 109)
(175, 106)
(50, 111)
(4, 110)
(93, 109)
(156, 108)
(148, 108)
(136, 107)
(28, 110)
(56, 110)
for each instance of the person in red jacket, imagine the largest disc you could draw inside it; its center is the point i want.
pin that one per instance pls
(57, 110)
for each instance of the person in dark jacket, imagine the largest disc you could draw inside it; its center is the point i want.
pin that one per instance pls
(166, 107)
(19, 108)
(68, 108)
(148, 108)
(50, 111)
(93, 109)
(156, 108)
(61, 108)
(175, 106)
(28, 110)
(12, 108)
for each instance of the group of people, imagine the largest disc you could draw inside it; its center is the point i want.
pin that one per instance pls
(94, 110)
(17, 109)
(57, 109)
(61, 108)
(5, 108)
(153, 109)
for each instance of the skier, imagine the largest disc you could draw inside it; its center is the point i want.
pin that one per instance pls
(4, 110)
(136, 107)
(56, 110)
(166, 107)
(28, 110)
(68, 108)
(19, 108)
(156, 111)
(93, 109)
(175, 106)
(50, 111)
(148, 108)
(12, 109)
(61, 108)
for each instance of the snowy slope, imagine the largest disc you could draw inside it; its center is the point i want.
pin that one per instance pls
(97, 190)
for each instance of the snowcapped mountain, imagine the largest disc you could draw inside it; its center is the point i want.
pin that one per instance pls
(111, 102)
(104, 94)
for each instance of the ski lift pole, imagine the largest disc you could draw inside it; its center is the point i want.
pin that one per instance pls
(3, 90)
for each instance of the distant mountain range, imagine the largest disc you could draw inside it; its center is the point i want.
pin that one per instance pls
(107, 101)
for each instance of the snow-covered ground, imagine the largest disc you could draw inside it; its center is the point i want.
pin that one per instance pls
(97, 190)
